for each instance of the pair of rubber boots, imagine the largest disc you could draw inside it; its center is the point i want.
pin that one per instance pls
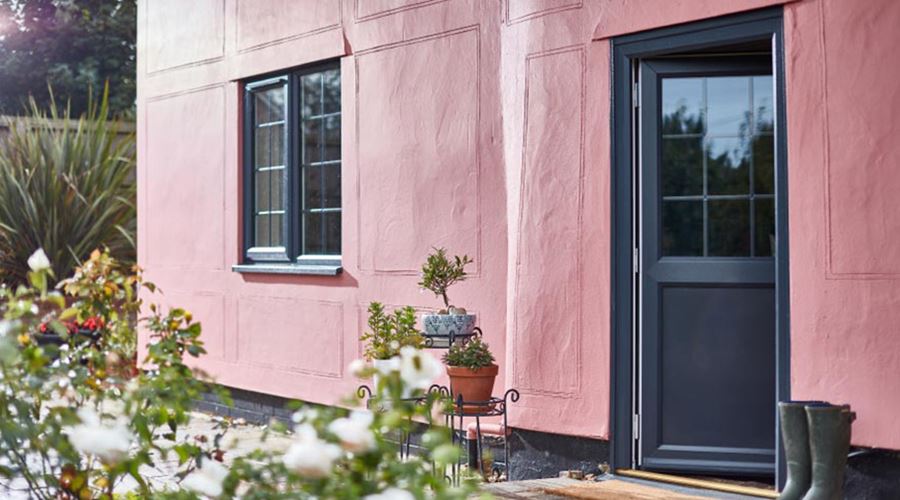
(816, 442)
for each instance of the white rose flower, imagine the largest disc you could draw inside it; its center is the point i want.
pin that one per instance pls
(391, 494)
(38, 260)
(310, 456)
(207, 479)
(418, 369)
(108, 441)
(354, 432)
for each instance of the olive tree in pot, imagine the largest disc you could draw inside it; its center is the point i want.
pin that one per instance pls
(438, 273)
(470, 365)
(388, 333)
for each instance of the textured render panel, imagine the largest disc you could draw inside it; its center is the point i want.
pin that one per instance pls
(547, 337)
(419, 163)
(521, 10)
(370, 9)
(179, 36)
(265, 22)
(208, 309)
(293, 335)
(185, 181)
(862, 139)
(844, 342)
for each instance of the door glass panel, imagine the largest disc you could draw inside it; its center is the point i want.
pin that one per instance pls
(729, 235)
(682, 103)
(763, 109)
(728, 165)
(764, 219)
(682, 166)
(763, 164)
(728, 105)
(682, 228)
(717, 166)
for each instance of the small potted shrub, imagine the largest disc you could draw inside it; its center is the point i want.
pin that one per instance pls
(472, 371)
(388, 333)
(438, 273)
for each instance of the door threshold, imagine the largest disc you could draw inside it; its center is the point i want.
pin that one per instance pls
(698, 483)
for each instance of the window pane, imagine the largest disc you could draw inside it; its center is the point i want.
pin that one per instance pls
(332, 180)
(728, 102)
(262, 231)
(682, 228)
(311, 95)
(729, 228)
(278, 181)
(277, 230)
(762, 103)
(269, 105)
(332, 99)
(764, 222)
(312, 236)
(727, 166)
(312, 186)
(333, 233)
(682, 106)
(682, 166)
(263, 191)
(312, 140)
(763, 164)
(263, 146)
(332, 146)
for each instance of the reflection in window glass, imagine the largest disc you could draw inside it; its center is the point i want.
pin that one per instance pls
(269, 165)
(717, 163)
(320, 118)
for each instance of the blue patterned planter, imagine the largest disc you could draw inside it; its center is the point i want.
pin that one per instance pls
(448, 325)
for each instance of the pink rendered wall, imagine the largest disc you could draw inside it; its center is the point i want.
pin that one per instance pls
(483, 126)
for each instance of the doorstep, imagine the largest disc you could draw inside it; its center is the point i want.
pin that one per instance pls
(608, 487)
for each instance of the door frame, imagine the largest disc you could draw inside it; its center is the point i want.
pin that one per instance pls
(625, 51)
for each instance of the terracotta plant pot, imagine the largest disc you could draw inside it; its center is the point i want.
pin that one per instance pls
(473, 385)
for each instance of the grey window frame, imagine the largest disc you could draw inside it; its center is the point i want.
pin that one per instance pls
(289, 258)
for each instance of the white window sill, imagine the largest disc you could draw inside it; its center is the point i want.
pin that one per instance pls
(332, 269)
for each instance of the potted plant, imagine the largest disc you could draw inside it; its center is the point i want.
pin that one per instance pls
(470, 365)
(388, 333)
(438, 274)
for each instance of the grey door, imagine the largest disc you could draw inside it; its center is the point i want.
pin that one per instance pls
(707, 272)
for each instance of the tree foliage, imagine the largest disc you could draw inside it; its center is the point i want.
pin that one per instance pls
(73, 45)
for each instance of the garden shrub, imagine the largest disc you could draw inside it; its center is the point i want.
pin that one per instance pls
(74, 425)
(67, 186)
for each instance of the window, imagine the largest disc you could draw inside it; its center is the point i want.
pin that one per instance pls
(292, 171)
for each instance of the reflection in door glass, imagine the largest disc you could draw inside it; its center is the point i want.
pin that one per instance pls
(717, 163)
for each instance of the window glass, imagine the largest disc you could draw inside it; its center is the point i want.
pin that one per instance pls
(269, 165)
(321, 142)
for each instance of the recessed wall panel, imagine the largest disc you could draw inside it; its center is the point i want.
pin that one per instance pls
(417, 140)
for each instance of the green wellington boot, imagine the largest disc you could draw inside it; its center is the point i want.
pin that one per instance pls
(795, 436)
(829, 438)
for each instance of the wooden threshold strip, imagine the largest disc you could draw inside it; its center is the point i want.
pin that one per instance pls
(697, 483)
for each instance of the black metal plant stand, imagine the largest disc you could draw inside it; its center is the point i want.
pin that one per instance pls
(374, 403)
(494, 407)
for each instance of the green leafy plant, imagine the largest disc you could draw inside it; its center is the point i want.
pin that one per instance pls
(390, 332)
(66, 186)
(472, 354)
(439, 273)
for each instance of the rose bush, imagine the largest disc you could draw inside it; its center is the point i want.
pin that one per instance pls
(74, 425)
